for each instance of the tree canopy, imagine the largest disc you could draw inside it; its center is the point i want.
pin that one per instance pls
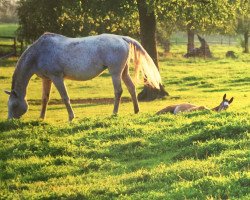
(77, 18)
(88, 17)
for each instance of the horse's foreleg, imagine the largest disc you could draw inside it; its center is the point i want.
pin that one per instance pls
(131, 88)
(45, 96)
(59, 83)
(118, 92)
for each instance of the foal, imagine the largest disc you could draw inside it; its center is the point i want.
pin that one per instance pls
(187, 107)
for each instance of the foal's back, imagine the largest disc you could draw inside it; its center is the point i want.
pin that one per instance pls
(184, 107)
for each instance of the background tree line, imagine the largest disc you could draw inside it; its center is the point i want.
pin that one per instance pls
(8, 11)
(130, 17)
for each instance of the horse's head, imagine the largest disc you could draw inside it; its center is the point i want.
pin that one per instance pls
(17, 106)
(225, 103)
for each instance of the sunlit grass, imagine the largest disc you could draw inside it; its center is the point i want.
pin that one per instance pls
(200, 155)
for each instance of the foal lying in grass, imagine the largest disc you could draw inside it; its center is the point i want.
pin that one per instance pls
(187, 107)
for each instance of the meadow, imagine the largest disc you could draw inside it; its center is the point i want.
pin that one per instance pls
(199, 155)
(7, 29)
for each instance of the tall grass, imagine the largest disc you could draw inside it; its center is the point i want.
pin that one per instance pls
(135, 157)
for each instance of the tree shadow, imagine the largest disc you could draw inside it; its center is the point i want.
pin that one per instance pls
(80, 101)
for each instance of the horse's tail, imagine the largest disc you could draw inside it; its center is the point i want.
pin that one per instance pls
(143, 62)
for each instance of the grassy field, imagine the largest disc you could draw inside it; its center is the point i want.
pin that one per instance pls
(200, 155)
(8, 29)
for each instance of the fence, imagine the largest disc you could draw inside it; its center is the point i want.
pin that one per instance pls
(9, 42)
(181, 38)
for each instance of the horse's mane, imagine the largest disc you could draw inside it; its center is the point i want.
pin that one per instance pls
(23, 60)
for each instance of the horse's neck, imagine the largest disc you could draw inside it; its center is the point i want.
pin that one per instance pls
(216, 109)
(20, 80)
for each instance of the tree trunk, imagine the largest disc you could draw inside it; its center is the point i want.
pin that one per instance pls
(246, 49)
(167, 46)
(148, 39)
(190, 45)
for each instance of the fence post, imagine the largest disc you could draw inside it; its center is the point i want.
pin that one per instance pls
(15, 49)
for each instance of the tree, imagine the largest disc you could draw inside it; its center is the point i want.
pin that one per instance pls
(163, 37)
(37, 17)
(205, 16)
(166, 22)
(147, 20)
(244, 23)
(76, 18)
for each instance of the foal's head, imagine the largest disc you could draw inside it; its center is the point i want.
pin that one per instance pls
(225, 103)
(16, 106)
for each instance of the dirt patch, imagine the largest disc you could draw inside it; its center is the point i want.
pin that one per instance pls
(80, 101)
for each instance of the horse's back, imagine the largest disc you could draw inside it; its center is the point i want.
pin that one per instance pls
(80, 58)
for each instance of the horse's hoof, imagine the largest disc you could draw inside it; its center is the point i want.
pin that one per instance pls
(137, 111)
(71, 118)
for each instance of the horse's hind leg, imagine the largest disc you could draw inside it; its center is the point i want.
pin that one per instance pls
(45, 96)
(118, 92)
(131, 88)
(59, 83)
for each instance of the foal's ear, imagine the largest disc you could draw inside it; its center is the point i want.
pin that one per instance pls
(7, 92)
(224, 97)
(231, 100)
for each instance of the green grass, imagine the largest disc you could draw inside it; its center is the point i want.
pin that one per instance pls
(8, 29)
(200, 155)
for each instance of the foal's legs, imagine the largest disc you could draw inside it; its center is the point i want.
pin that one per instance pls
(45, 96)
(59, 83)
(116, 78)
(131, 88)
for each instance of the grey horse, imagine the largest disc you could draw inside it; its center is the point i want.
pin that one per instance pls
(54, 57)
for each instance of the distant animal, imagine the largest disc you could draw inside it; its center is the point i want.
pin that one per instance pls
(54, 57)
(231, 54)
(202, 51)
(187, 107)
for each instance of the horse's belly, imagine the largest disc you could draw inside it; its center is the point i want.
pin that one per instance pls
(82, 74)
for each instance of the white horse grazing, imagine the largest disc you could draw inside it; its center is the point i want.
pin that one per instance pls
(54, 57)
(187, 107)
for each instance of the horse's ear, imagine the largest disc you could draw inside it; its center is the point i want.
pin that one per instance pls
(13, 92)
(7, 92)
(231, 100)
(224, 97)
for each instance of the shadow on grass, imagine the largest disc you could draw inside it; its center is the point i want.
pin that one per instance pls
(103, 142)
(217, 90)
(9, 125)
(80, 101)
